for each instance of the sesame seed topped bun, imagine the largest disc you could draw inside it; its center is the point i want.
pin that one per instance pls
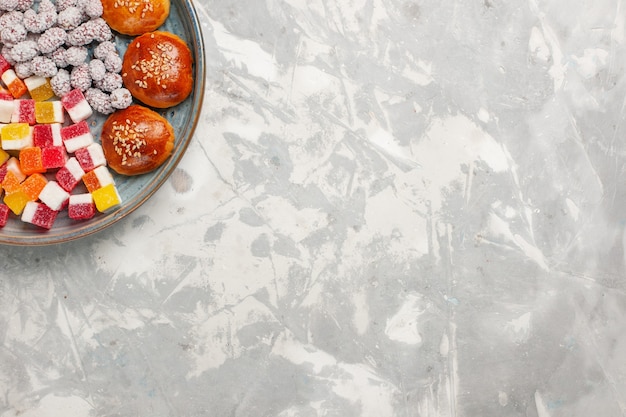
(135, 17)
(157, 69)
(136, 140)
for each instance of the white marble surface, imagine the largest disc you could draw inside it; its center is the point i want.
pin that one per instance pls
(389, 209)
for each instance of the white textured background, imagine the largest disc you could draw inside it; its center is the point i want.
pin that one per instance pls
(389, 209)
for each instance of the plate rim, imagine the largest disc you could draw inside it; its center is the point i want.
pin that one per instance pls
(40, 237)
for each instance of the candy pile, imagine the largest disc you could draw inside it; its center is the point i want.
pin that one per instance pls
(67, 42)
(58, 65)
(44, 158)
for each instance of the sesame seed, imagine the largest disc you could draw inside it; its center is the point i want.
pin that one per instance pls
(128, 140)
(144, 6)
(156, 67)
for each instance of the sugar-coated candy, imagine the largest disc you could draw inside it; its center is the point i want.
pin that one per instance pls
(23, 69)
(111, 81)
(53, 157)
(16, 86)
(46, 6)
(51, 40)
(39, 87)
(58, 57)
(10, 18)
(76, 105)
(32, 22)
(11, 183)
(42, 21)
(30, 160)
(113, 63)
(81, 207)
(39, 214)
(13, 34)
(97, 70)
(99, 101)
(24, 111)
(92, 8)
(13, 165)
(6, 50)
(4, 214)
(4, 156)
(16, 136)
(44, 66)
(64, 4)
(76, 55)
(4, 65)
(76, 136)
(80, 36)
(98, 178)
(99, 29)
(70, 18)
(61, 82)
(54, 196)
(49, 112)
(69, 175)
(24, 5)
(33, 185)
(105, 49)
(16, 201)
(46, 20)
(106, 197)
(24, 51)
(3, 173)
(80, 77)
(6, 110)
(45, 135)
(5, 94)
(90, 157)
(121, 98)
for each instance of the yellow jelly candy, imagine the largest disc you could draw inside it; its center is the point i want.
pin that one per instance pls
(39, 88)
(4, 156)
(16, 136)
(48, 112)
(106, 197)
(16, 201)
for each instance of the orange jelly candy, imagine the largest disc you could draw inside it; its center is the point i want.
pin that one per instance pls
(31, 161)
(91, 181)
(11, 183)
(15, 85)
(33, 185)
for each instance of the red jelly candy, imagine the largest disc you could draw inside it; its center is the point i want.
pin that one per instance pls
(39, 214)
(4, 214)
(24, 112)
(53, 157)
(4, 65)
(81, 207)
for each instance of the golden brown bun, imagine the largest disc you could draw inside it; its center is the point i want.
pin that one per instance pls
(135, 17)
(136, 140)
(157, 69)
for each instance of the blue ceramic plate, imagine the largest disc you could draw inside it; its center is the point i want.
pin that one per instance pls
(134, 191)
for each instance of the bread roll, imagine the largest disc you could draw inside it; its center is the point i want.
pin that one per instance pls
(136, 140)
(157, 69)
(135, 17)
